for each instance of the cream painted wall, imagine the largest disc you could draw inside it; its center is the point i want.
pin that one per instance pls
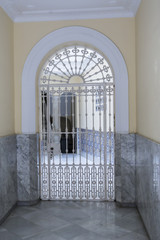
(6, 75)
(148, 69)
(120, 31)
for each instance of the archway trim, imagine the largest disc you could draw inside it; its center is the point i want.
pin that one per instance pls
(62, 36)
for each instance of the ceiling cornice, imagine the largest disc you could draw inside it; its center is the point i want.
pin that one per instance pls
(70, 14)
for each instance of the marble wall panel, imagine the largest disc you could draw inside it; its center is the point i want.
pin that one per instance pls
(8, 174)
(148, 184)
(125, 169)
(27, 173)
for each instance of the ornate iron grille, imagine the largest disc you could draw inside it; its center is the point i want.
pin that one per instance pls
(76, 61)
(76, 126)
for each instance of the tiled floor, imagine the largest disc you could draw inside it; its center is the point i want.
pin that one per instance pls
(68, 220)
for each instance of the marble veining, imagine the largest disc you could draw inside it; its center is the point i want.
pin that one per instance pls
(73, 220)
(8, 172)
(137, 173)
(148, 184)
(125, 168)
(27, 175)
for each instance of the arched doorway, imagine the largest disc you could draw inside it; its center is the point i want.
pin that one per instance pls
(59, 37)
(77, 160)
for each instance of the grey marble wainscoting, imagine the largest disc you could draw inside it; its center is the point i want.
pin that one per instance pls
(148, 184)
(8, 174)
(125, 169)
(27, 174)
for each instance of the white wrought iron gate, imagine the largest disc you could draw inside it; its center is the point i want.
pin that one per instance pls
(76, 139)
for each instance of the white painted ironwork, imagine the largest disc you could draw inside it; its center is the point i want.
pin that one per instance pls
(76, 61)
(77, 126)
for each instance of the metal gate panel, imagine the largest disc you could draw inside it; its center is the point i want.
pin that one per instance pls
(77, 141)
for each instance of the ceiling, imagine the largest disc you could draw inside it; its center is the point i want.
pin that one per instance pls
(46, 10)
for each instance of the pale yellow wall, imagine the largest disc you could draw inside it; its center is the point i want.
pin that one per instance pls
(120, 31)
(6, 75)
(148, 69)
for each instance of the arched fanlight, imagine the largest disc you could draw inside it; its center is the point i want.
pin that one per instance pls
(76, 62)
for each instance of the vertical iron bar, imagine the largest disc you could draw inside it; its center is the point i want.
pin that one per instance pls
(80, 146)
(73, 125)
(113, 100)
(109, 122)
(59, 120)
(111, 115)
(52, 127)
(45, 150)
(40, 139)
(100, 124)
(66, 102)
(105, 142)
(93, 129)
(48, 134)
(86, 127)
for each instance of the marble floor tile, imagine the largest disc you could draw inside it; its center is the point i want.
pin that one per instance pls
(48, 235)
(21, 227)
(73, 220)
(71, 231)
(46, 220)
(133, 236)
(90, 236)
(6, 235)
(110, 231)
(21, 211)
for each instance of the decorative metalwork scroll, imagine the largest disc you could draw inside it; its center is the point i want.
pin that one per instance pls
(87, 63)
